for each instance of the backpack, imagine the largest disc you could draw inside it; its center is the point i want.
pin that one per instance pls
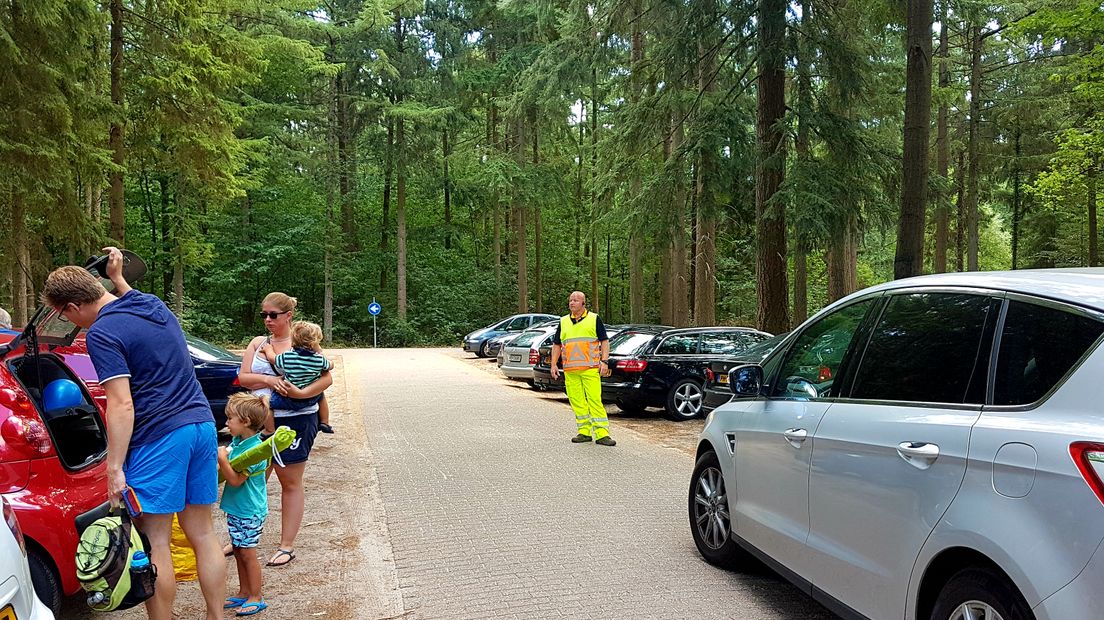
(104, 555)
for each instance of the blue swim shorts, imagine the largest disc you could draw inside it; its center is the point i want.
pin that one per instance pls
(178, 469)
(245, 532)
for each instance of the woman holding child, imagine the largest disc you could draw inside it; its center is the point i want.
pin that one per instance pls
(263, 377)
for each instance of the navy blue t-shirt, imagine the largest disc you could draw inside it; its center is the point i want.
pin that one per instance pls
(137, 336)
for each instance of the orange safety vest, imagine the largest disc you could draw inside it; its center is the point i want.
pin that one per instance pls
(581, 349)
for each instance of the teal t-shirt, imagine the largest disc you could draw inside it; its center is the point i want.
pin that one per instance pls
(251, 498)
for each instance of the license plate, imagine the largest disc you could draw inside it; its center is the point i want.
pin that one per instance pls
(7, 613)
(723, 378)
(515, 358)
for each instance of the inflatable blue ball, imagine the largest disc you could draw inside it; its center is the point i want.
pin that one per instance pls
(61, 394)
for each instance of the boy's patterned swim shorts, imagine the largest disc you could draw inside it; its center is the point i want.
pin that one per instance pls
(245, 532)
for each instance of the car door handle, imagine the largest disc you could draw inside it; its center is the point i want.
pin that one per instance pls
(918, 453)
(795, 436)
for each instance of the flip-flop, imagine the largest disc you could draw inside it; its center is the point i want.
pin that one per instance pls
(233, 602)
(253, 608)
(280, 553)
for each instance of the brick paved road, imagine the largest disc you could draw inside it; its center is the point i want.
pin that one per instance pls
(492, 513)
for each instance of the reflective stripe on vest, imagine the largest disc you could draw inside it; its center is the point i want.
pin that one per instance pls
(581, 349)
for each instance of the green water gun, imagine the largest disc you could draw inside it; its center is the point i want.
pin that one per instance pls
(276, 443)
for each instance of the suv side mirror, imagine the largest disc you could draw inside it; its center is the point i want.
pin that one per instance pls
(746, 380)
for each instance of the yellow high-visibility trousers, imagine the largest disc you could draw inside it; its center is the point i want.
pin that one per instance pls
(584, 391)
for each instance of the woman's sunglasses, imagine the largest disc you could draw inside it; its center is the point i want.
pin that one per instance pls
(273, 315)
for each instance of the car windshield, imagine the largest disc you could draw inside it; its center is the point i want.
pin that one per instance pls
(627, 343)
(208, 352)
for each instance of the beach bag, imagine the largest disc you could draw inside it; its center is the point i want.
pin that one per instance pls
(104, 557)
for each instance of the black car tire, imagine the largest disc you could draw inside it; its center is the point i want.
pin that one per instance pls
(45, 581)
(630, 407)
(710, 519)
(980, 588)
(681, 398)
(484, 349)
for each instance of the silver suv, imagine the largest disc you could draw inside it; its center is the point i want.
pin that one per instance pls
(930, 448)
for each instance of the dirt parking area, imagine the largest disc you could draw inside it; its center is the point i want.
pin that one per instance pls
(651, 424)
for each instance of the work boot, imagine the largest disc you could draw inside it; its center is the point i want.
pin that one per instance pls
(581, 438)
(606, 441)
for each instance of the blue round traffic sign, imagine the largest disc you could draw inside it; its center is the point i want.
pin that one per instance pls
(374, 308)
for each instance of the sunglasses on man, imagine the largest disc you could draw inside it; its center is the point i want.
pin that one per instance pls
(273, 315)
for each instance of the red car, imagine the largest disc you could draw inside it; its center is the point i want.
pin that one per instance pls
(52, 464)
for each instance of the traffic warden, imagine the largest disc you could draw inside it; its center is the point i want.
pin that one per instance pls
(581, 340)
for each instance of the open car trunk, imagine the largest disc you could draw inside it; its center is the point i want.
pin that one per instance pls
(78, 433)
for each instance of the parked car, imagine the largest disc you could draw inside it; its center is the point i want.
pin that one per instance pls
(217, 371)
(478, 342)
(494, 347)
(17, 598)
(715, 389)
(663, 367)
(52, 463)
(517, 358)
(946, 466)
(542, 370)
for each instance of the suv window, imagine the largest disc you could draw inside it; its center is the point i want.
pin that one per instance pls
(728, 343)
(678, 345)
(926, 347)
(814, 360)
(518, 324)
(1038, 346)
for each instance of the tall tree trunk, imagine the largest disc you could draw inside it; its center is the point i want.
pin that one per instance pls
(385, 218)
(117, 230)
(909, 260)
(400, 218)
(804, 158)
(538, 232)
(942, 149)
(448, 189)
(841, 260)
(520, 226)
(770, 260)
(20, 267)
(178, 261)
(960, 208)
(166, 235)
(705, 255)
(636, 230)
(345, 142)
(801, 283)
(680, 284)
(595, 302)
(972, 179)
(1090, 189)
(1017, 201)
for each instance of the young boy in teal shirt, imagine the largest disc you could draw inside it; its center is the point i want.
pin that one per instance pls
(245, 499)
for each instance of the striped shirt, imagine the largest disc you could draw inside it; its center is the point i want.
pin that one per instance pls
(302, 366)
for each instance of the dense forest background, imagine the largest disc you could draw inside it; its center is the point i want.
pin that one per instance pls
(680, 161)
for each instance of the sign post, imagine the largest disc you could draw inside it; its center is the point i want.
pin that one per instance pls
(374, 309)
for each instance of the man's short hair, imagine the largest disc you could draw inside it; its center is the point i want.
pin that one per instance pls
(72, 284)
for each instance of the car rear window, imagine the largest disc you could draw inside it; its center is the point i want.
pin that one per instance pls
(525, 339)
(1039, 345)
(628, 343)
(925, 348)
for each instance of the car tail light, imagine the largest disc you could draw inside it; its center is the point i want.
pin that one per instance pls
(709, 375)
(13, 525)
(632, 365)
(23, 425)
(824, 374)
(534, 356)
(1089, 458)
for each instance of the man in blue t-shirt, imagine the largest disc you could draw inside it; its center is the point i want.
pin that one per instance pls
(161, 437)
